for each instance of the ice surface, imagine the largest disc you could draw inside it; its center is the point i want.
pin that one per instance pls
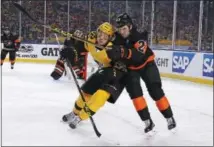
(33, 104)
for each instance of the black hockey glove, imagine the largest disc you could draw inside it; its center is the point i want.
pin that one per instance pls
(64, 53)
(120, 66)
(17, 46)
(92, 35)
(69, 53)
(116, 52)
(79, 34)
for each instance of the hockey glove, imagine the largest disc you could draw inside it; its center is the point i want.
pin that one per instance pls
(64, 53)
(118, 52)
(120, 66)
(69, 53)
(79, 34)
(17, 45)
(92, 35)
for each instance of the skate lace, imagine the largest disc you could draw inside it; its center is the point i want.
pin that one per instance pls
(147, 122)
(76, 120)
(169, 120)
(71, 114)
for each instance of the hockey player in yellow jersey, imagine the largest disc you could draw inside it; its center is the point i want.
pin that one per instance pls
(103, 85)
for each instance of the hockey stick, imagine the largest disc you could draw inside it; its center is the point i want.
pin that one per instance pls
(8, 49)
(68, 64)
(83, 98)
(66, 67)
(54, 29)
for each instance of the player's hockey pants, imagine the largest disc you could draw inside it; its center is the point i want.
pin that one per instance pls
(97, 90)
(151, 76)
(12, 56)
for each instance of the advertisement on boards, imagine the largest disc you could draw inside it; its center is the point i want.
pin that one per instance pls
(26, 51)
(181, 61)
(208, 65)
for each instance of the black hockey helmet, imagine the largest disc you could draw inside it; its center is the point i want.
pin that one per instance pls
(123, 19)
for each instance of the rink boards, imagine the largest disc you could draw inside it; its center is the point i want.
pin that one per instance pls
(191, 66)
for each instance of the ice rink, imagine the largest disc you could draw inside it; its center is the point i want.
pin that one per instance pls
(33, 104)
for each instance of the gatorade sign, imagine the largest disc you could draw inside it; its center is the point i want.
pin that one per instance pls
(208, 65)
(181, 61)
(50, 51)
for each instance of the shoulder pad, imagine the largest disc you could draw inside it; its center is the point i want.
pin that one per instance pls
(117, 39)
(135, 36)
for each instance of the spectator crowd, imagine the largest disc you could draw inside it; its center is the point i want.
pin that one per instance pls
(87, 16)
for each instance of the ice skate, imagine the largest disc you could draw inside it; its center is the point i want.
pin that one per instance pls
(68, 117)
(171, 123)
(149, 125)
(73, 124)
(12, 66)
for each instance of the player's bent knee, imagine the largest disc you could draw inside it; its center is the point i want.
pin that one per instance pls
(109, 88)
(133, 86)
(156, 91)
(98, 100)
(134, 90)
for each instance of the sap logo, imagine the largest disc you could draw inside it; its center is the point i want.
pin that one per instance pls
(50, 51)
(208, 65)
(181, 61)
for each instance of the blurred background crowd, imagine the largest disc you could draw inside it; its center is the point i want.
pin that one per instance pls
(86, 16)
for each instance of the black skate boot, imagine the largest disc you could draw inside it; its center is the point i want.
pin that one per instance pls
(149, 125)
(12, 66)
(171, 123)
(73, 124)
(68, 117)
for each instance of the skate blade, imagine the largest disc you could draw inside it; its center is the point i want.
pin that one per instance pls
(151, 134)
(64, 122)
(72, 126)
(108, 141)
(173, 130)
